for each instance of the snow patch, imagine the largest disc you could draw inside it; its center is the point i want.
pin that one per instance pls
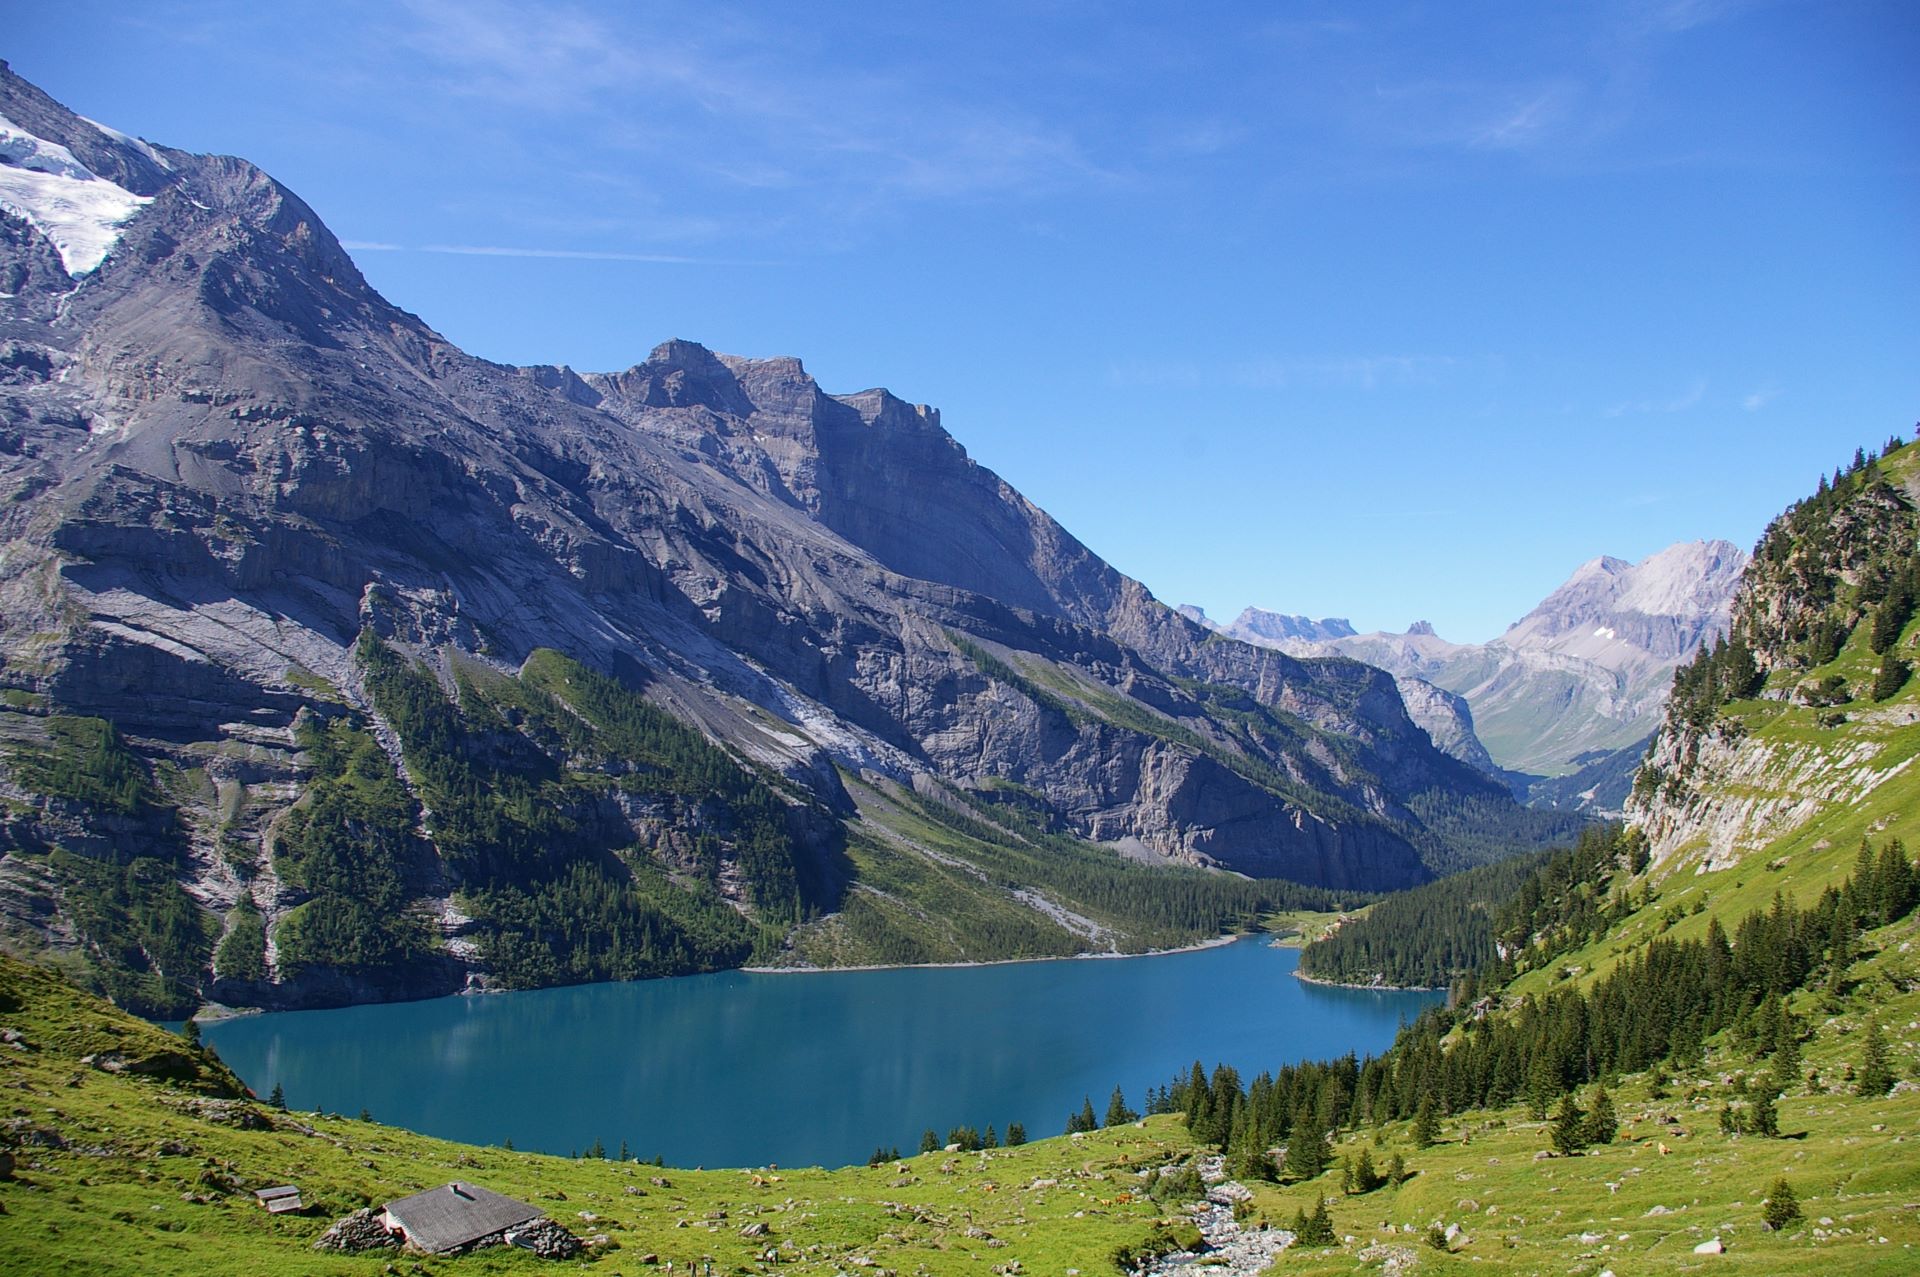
(127, 139)
(67, 202)
(1605, 632)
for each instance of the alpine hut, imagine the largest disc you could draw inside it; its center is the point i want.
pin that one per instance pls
(456, 1216)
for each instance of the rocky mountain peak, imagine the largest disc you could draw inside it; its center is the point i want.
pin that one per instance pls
(1422, 629)
(677, 374)
(1662, 606)
(1253, 624)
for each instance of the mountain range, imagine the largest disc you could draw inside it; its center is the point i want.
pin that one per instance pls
(1563, 703)
(339, 663)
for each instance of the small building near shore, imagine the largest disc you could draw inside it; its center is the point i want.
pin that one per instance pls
(456, 1216)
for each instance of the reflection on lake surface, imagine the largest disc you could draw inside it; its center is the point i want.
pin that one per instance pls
(740, 1069)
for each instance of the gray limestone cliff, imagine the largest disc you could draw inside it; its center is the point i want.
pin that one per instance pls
(226, 459)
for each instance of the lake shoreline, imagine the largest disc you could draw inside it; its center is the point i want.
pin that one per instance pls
(1304, 978)
(1212, 943)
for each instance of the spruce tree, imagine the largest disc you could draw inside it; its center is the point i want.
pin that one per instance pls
(1876, 1077)
(1600, 1125)
(992, 1139)
(1365, 1177)
(1891, 677)
(1569, 1127)
(279, 1096)
(929, 1141)
(1786, 1051)
(1543, 1083)
(1315, 1229)
(1397, 1172)
(1016, 1134)
(1426, 1124)
(1306, 1146)
(1118, 1114)
(1782, 1206)
(1764, 1118)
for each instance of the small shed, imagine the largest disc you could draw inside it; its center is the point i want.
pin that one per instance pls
(280, 1200)
(454, 1216)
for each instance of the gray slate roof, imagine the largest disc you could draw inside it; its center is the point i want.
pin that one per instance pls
(456, 1214)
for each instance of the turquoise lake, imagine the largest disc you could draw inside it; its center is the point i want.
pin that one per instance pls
(743, 1069)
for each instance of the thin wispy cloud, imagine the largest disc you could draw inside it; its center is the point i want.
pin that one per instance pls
(1691, 397)
(738, 102)
(561, 254)
(1535, 119)
(1760, 398)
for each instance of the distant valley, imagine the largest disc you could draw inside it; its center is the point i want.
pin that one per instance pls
(1563, 704)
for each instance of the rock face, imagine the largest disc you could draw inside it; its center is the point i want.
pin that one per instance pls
(1805, 620)
(1583, 674)
(227, 458)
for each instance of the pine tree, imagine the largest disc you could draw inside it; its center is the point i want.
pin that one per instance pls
(1306, 1146)
(1764, 1118)
(1569, 1128)
(1365, 1177)
(929, 1141)
(1543, 1083)
(1891, 677)
(1118, 1114)
(1397, 1172)
(1891, 617)
(1016, 1134)
(279, 1096)
(1782, 1206)
(1876, 1077)
(1426, 1124)
(1600, 1125)
(992, 1139)
(1084, 1120)
(1315, 1229)
(507, 1143)
(1786, 1050)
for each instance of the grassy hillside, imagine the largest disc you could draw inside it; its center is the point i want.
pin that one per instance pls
(121, 1173)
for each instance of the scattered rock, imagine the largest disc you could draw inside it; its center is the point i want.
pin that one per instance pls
(755, 1229)
(361, 1230)
(544, 1238)
(1710, 1247)
(162, 1064)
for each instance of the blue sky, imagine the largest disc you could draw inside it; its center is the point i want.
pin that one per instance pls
(1386, 310)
